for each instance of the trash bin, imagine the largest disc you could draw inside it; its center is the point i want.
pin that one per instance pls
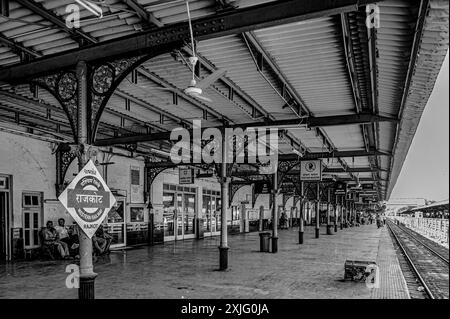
(264, 242)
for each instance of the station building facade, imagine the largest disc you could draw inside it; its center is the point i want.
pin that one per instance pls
(168, 212)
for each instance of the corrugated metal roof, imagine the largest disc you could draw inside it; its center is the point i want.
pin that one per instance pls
(310, 56)
(431, 53)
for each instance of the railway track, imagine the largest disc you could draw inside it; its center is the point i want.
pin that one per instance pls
(429, 267)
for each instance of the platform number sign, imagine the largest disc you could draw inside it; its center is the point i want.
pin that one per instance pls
(88, 199)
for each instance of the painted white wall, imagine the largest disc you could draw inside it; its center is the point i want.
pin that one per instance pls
(32, 167)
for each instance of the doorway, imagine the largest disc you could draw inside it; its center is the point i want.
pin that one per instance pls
(5, 208)
(211, 212)
(179, 206)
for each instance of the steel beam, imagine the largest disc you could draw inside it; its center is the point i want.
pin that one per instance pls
(293, 157)
(17, 47)
(233, 22)
(146, 17)
(311, 122)
(325, 170)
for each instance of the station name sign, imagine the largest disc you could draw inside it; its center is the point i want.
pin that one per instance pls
(88, 199)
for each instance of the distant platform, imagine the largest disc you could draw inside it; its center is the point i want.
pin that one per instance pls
(187, 269)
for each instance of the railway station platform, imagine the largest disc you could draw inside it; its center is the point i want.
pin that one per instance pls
(187, 269)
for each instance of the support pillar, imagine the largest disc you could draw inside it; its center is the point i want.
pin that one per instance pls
(329, 226)
(261, 218)
(350, 210)
(318, 211)
(335, 207)
(341, 211)
(224, 182)
(274, 213)
(87, 275)
(301, 226)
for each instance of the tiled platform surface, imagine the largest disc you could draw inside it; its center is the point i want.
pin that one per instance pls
(187, 269)
(392, 282)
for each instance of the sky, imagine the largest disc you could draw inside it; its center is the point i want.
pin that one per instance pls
(425, 172)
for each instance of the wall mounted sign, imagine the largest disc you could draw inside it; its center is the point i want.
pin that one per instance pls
(311, 170)
(136, 188)
(186, 176)
(88, 199)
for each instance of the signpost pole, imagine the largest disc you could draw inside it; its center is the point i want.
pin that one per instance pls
(87, 275)
(274, 213)
(301, 228)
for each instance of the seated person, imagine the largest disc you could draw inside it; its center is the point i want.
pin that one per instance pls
(74, 248)
(51, 242)
(101, 241)
(62, 231)
(68, 237)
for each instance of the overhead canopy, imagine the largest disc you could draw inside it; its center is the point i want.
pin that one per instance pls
(284, 60)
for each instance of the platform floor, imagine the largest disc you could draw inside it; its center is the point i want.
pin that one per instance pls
(187, 269)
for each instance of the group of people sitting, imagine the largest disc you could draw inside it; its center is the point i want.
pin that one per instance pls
(62, 242)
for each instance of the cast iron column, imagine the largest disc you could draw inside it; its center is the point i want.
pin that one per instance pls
(301, 226)
(350, 210)
(335, 206)
(274, 213)
(87, 275)
(341, 211)
(261, 218)
(224, 182)
(328, 212)
(318, 211)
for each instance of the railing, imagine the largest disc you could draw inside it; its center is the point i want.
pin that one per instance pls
(435, 229)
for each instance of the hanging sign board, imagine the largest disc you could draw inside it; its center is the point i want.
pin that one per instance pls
(367, 186)
(340, 188)
(186, 176)
(262, 188)
(88, 199)
(311, 170)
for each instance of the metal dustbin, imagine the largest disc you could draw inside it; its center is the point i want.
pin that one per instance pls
(264, 242)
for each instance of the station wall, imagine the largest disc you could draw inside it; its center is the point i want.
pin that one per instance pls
(31, 164)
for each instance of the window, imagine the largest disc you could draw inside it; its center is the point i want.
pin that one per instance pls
(137, 214)
(3, 182)
(32, 212)
(135, 177)
(31, 200)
